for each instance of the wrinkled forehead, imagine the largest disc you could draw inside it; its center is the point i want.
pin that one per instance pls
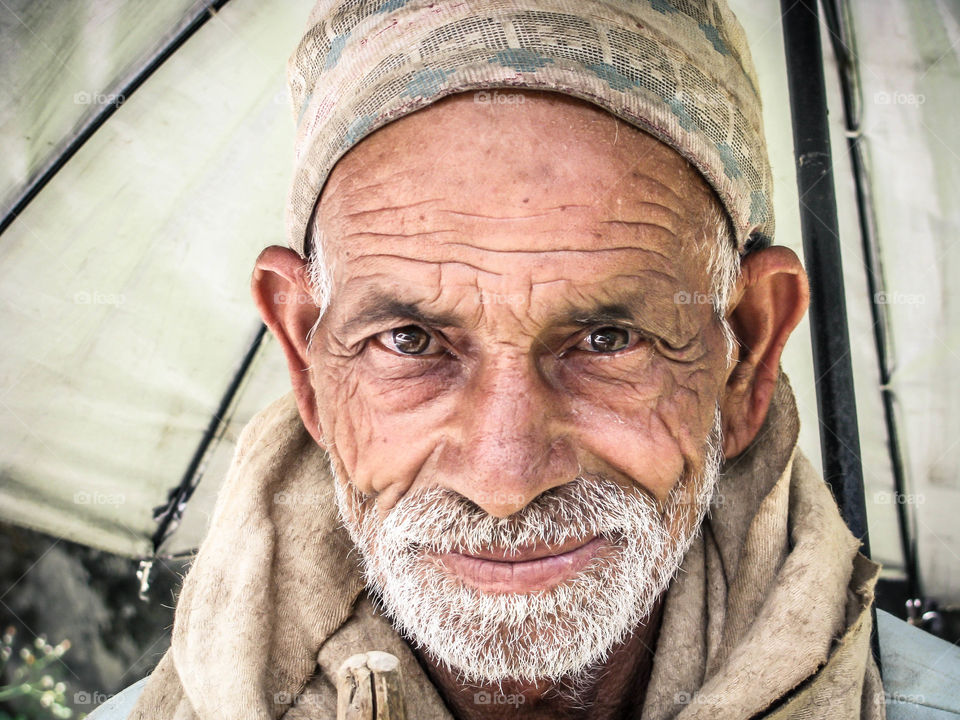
(542, 145)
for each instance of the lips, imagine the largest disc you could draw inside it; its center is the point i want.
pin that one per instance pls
(539, 567)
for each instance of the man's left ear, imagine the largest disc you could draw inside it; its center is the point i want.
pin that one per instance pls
(770, 299)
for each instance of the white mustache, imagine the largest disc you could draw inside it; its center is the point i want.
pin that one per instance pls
(441, 520)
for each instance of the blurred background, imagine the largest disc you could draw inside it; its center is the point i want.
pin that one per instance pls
(147, 151)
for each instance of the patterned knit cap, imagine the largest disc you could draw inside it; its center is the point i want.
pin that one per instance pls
(677, 69)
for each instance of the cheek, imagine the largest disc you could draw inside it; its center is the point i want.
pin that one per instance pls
(383, 424)
(648, 423)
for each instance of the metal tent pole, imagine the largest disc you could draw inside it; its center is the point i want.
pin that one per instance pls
(168, 516)
(836, 403)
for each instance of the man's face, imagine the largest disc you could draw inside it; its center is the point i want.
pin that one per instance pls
(517, 394)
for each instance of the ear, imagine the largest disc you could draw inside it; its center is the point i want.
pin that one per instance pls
(770, 299)
(281, 291)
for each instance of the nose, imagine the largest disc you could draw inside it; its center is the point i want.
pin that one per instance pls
(512, 440)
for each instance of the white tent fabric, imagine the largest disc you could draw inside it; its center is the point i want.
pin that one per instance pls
(910, 71)
(61, 63)
(125, 280)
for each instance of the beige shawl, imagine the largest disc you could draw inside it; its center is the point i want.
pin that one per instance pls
(768, 617)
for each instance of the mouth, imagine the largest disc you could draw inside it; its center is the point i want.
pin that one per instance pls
(540, 567)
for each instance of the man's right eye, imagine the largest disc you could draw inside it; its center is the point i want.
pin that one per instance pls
(409, 340)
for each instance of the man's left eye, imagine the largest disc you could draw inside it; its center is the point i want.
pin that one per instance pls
(608, 340)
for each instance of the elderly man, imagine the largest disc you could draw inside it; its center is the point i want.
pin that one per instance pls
(533, 325)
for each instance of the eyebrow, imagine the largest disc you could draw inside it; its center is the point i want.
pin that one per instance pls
(379, 307)
(603, 313)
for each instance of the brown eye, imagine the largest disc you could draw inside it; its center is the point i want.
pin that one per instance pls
(607, 340)
(410, 340)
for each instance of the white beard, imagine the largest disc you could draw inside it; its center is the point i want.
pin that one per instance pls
(560, 634)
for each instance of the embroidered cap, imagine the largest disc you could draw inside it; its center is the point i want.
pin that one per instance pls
(677, 69)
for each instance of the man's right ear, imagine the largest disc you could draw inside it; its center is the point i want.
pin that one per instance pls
(281, 291)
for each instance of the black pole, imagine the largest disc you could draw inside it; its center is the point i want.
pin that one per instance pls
(836, 402)
(839, 435)
(168, 516)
